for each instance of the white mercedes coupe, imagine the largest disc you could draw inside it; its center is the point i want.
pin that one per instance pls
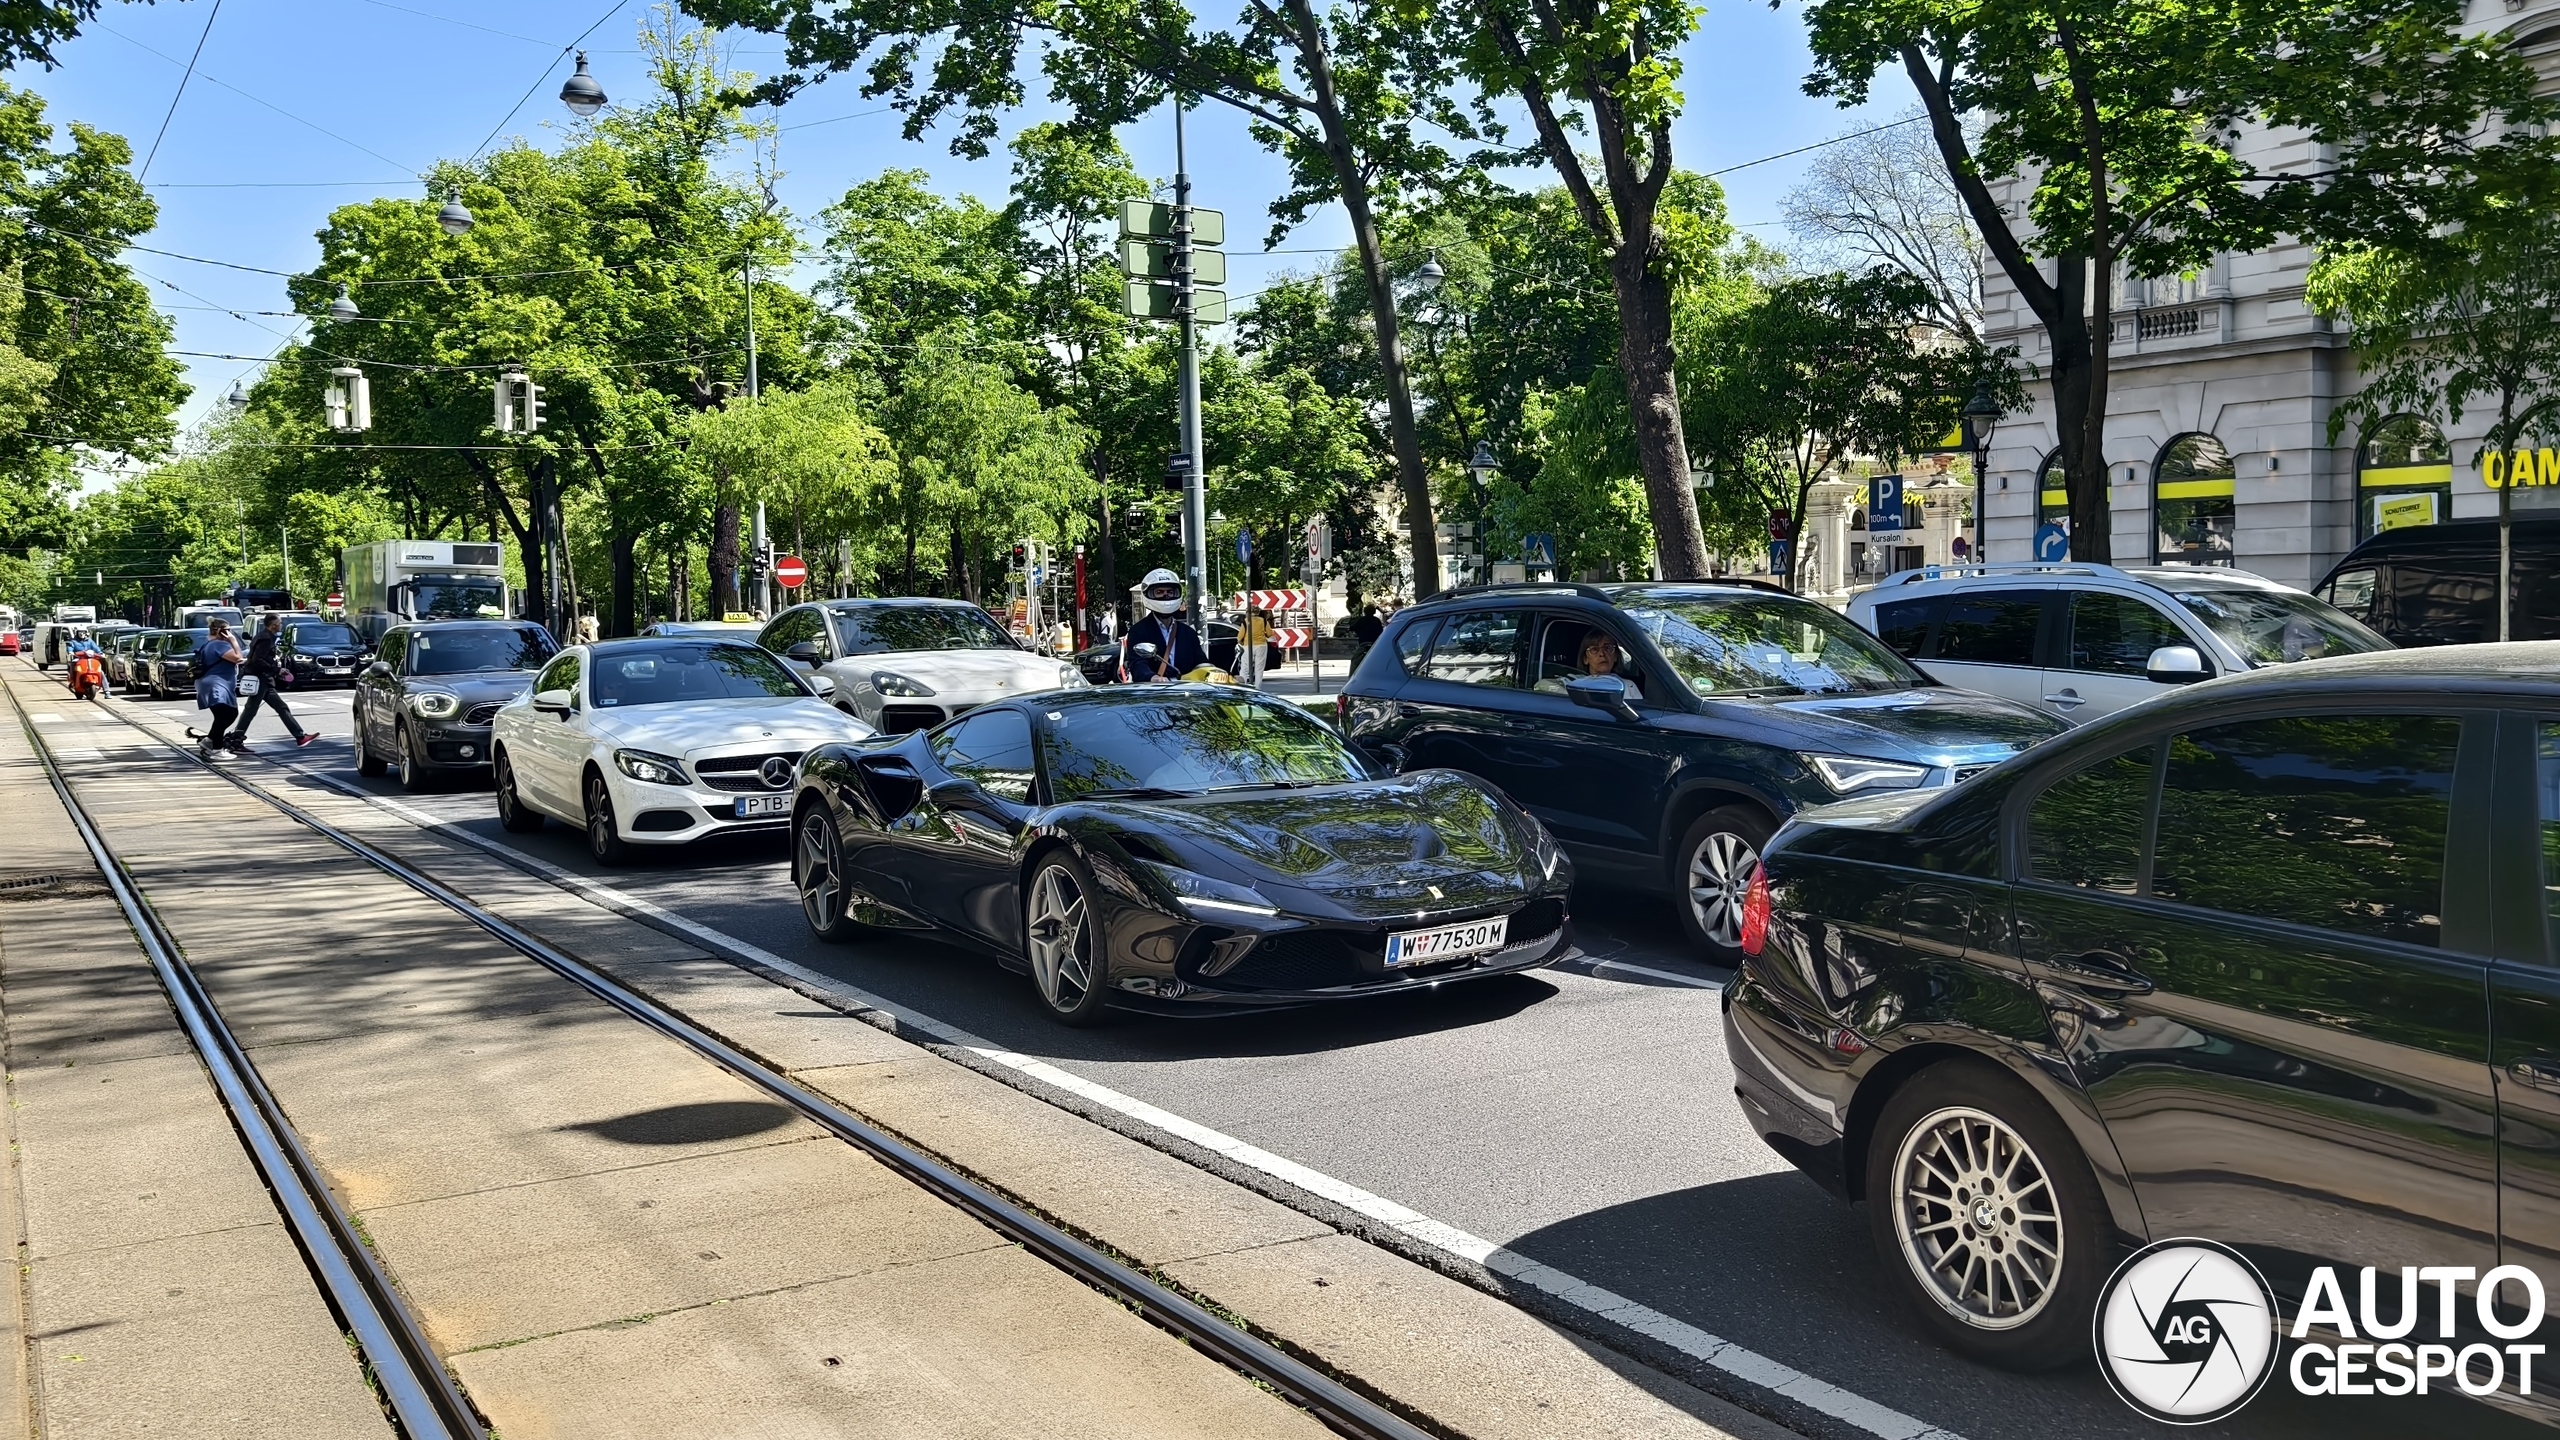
(660, 742)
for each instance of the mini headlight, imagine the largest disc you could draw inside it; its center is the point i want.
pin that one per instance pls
(655, 769)
(1845, 773)
(1197, 892)
(435, 705)
(890, 682)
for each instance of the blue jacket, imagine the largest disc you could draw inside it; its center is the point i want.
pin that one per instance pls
(216, 678)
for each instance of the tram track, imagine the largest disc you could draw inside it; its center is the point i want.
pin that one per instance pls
(1339, 1406)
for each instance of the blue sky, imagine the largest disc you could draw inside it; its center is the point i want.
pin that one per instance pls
(297, 106)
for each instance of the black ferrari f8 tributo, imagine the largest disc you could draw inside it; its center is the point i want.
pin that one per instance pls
(1184, 848)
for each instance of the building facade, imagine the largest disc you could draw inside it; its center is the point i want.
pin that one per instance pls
(2219, 403)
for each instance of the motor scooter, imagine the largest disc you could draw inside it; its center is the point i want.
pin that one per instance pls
(88, 675)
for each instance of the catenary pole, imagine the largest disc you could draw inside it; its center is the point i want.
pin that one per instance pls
(1195, 526)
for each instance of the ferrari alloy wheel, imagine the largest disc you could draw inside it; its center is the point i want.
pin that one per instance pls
(1987, 1217)
(604, 835)
(817, 872)
(1057, 929)
(513, 814)
(1716, 859)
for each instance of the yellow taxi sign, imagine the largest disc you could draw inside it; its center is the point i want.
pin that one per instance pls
(737, 617)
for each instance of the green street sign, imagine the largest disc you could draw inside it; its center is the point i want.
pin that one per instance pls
(1153, 260)
(1148, 301)
(1154, 218)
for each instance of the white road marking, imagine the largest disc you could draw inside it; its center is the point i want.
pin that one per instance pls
(1672, 976)
(46, 717)
(1735, 1360)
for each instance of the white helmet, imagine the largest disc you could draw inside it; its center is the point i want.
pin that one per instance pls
(1161, 591)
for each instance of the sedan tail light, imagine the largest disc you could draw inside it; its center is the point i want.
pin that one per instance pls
(1755, 912)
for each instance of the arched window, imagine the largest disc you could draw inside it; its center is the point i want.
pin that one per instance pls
(2404, 476)
(2193, 513)
(2053, 492)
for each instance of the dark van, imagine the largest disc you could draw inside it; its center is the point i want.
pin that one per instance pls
(2438, 584)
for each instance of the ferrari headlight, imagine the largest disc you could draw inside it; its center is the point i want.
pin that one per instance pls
(1197, 892)
(435, 705)
(891, 683)
(1845, 773)
(655, 769)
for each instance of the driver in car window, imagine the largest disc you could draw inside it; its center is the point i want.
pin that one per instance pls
(1600, 657)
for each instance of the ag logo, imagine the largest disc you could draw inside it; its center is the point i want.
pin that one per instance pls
(2185, 1331)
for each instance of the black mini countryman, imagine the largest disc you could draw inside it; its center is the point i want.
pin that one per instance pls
(2269, 962)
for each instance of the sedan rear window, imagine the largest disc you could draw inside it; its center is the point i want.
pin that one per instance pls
(1769, 645)
(1188, 744)
(625, 676)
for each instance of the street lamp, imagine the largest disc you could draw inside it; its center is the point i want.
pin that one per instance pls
(1481, 468)
(1981, 417)
(238, 399)
(453, 218)
(343, 309)
(1428, 279)
(582, 94)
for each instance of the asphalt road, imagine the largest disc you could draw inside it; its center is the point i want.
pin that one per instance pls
(1584, 1119)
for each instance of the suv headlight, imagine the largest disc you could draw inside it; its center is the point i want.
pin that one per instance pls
(434, 705)
(655, 769)
(891, 683)
(1071, 678)
(1197, 892)
(1845, 773)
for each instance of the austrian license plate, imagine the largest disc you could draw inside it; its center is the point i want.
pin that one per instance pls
(1421, 947)
(749, 807)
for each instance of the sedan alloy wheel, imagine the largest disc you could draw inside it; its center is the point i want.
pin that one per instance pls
(1977, 1216)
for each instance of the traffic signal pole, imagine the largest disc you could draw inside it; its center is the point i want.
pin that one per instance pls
(1195, 508)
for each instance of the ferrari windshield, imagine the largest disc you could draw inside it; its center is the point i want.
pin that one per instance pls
(628, 675)
(887, 629)
(1187, 743)
(1767, 645)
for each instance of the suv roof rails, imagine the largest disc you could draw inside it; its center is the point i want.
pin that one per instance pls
(1949, 572)
(1589, 591)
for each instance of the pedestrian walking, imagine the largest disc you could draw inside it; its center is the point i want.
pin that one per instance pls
(1252, 636)
(217, 686)
(1365, 632)
(262, 685)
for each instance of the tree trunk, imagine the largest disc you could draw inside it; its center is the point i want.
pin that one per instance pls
(626, 578)
(1403, 436)
(679, 577)
(2079, 422)
(1653, 397)
(724, 560)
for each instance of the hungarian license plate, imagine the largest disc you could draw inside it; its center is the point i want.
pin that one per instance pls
(749, 807)
(1421, 947)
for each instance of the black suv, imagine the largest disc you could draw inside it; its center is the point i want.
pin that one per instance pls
(2270, 962)
(1725, 709)
(424, 705)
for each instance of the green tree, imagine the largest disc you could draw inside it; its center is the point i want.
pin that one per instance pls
(812, 456)
(2130, 115)
(1784, 388)
(981, 461)
(1333, 93)
(1618, 62)
(2458, 319)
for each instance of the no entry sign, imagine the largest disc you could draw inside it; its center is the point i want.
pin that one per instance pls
(790, 572)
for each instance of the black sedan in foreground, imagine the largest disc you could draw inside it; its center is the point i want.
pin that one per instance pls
(2273, 962)
(1179, 848)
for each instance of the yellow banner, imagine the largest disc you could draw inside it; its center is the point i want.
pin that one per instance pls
(2194, 489)
(2399, 477)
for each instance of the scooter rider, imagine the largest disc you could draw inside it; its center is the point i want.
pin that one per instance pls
(1178, 647)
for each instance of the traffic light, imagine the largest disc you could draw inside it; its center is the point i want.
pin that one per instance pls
(1021, 557)
(519, 404)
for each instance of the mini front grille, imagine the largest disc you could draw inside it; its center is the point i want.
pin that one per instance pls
(483, 713)
(742, 773)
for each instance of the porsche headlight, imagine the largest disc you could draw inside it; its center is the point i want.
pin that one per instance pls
(655, 769)
(1198, 893)
(435, 705)
(1071, 678)
(1846, 773)
(891, 683)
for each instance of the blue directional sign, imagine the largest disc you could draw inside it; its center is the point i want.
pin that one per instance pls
(1538, 549)
(2053, 543)
(1244, 547)
(1884, 503)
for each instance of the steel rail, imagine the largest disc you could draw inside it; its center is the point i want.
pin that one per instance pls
(1339, 1406)
(412, 1376)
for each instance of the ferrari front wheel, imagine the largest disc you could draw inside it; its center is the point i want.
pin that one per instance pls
(818, 873)
(1060, 940)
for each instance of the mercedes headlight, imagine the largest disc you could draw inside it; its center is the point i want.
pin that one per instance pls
(1198, 893)
(655, 769)
(891, 683)
(435, 705)
(1847, 773)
